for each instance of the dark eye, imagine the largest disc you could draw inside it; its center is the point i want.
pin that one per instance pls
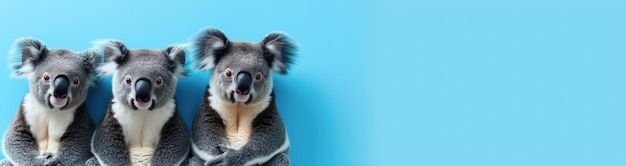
(46, 77)
(258, 76)
(228, 72)
(128, 81)
(159, 81)
(76, 81)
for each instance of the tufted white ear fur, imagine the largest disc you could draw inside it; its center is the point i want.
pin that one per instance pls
(107, 69)
(208, 46)
(281, 50)
(113, 53)
(176, 54)
(24, 55)
(91, 61)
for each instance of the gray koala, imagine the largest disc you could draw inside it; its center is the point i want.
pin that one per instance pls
(142, 125)
(238, 122)
(52, 126)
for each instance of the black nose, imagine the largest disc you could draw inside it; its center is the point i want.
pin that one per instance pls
(61, 85)
(143, 87)
(244, 80)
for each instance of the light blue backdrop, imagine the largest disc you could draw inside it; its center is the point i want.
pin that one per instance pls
(448, 83)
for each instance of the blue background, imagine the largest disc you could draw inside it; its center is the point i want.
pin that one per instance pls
(390, 82)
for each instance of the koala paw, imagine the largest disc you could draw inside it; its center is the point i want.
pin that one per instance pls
(224, 149)
(92, 162)
(49, 159)
(215, 162)
(53, 162)
(194, 161)
(46, 156)
(225, 159)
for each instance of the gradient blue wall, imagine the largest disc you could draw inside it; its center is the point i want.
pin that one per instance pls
(390, 82)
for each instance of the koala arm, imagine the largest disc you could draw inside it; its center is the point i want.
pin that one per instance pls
(173, 146)
(19, 144)
(75, 143)
(268, 139)
(108, 144)
(207, 133)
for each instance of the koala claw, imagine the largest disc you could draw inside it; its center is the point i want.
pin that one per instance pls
(46, 156)
(224, 149)
(49, 159)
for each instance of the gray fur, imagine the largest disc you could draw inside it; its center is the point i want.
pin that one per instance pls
(33, 59)
(243, 56)
(214, 51)
(147, 64)
(282, 159)
(168, 65)
(207, 133)
(55, 62)
(174, 144)
(108, 142)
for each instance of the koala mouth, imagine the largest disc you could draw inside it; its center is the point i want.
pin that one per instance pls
(246, 99)
(142, 105)
(58, 102)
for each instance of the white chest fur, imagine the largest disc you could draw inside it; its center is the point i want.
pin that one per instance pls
(47, 125)
(142, 128)
(237, 118)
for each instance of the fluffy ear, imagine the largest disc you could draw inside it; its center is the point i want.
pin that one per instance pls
(280, 50)
(91, 60)
(210, 46)
(176, 56)
(114, 54)
(26, 54)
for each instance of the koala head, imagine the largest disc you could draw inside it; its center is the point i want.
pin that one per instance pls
(58, 78)
(143, 79)
(242, 70)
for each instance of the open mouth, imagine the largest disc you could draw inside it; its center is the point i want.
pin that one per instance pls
(246, 99)
(57, 102)
(142, 105)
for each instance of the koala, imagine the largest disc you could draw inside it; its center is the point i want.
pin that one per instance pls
(238, 122)
(51, 126)
(142, 125)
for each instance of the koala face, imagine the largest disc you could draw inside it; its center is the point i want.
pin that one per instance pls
(242, 75)
(242, 70)
(143, 79)
(58, 78)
